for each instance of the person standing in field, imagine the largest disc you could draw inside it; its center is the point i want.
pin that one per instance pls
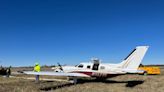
(8, 72)
(37, 69)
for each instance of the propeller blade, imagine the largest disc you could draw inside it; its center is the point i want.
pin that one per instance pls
(60, 66)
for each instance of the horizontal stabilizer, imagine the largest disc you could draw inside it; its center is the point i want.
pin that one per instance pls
(133, 71)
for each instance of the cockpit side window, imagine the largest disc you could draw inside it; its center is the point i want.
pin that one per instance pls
(88, 67)
(80, 66)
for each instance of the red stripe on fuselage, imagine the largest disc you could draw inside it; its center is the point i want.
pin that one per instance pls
(86, 73)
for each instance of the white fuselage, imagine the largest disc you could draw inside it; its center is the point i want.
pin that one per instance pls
(89, 67)
(102, 70)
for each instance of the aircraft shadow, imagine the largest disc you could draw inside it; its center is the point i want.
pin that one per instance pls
(130, 84)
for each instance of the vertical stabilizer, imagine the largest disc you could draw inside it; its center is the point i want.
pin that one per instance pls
(134, 59)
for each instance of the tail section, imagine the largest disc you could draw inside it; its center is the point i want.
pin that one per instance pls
(134, 59)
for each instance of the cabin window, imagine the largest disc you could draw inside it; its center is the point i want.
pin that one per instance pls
(88, 66)
(80, 66)
(102, 67)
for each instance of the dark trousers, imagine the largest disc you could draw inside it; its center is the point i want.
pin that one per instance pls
(37, 78)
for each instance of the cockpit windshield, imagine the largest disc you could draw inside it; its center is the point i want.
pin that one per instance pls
(80, 66)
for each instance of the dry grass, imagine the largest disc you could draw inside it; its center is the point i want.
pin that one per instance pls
(125, 83)
(22, 85)
(134, 83)
(17, 85)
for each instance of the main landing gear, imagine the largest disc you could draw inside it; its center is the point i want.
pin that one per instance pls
(73, 80)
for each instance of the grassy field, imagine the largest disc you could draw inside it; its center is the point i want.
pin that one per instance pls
(125, 83)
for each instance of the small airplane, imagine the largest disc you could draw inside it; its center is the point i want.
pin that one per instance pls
(96, 69)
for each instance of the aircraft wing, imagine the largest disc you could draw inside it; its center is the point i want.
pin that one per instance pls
(51, 73)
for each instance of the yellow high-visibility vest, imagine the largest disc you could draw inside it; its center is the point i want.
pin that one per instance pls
(37, 68)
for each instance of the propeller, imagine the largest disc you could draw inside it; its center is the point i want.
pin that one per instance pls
(60, 66)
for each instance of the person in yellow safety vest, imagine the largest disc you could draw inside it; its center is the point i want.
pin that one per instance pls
(37, 69)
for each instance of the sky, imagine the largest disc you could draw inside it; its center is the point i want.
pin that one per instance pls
(74, 31)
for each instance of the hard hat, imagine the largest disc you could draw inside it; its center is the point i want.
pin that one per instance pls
(36, 63)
